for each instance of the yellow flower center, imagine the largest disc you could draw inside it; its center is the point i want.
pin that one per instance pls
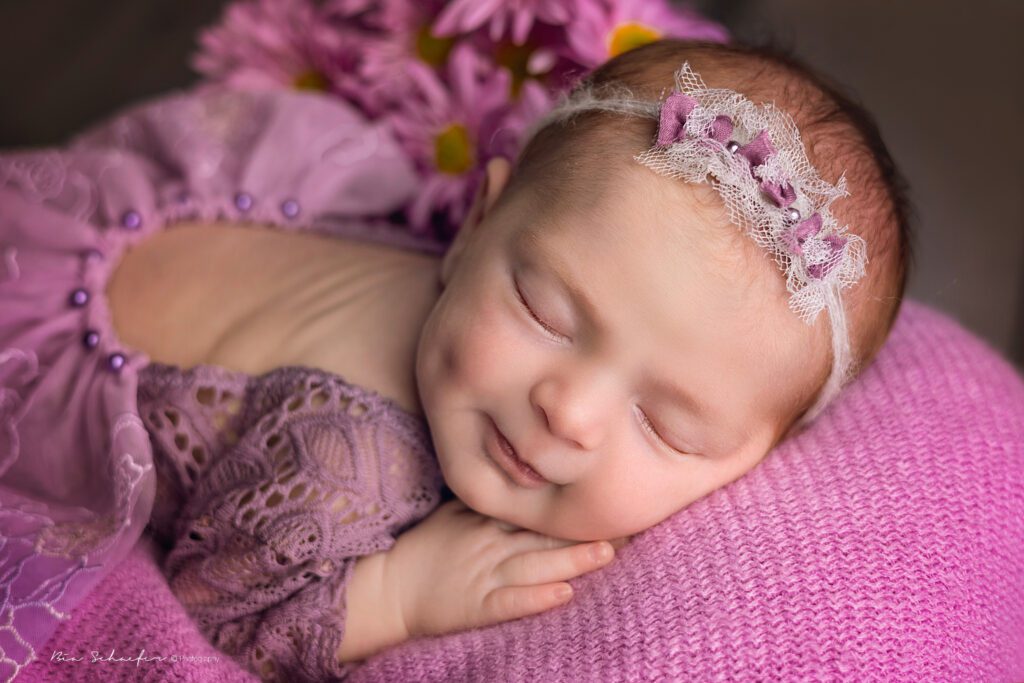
(516, 59)
(431, 49)
(453, 150)
(310, 80)
(625, 37)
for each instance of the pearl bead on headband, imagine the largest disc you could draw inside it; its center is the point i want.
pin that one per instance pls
(753, 157)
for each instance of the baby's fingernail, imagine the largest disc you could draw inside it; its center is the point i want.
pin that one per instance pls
(601, 551)
(563, 592)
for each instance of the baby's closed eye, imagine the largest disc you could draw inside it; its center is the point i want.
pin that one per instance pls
(548, 329)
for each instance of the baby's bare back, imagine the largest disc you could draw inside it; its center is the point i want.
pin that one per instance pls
(253, 298)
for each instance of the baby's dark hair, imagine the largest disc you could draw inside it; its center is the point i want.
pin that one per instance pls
(839, 136)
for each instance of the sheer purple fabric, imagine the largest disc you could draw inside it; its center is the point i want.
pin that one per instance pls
(77, 475)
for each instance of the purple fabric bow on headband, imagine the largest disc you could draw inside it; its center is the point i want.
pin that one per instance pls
(752, 155)
(672, 128)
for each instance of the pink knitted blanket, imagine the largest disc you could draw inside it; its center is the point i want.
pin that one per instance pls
(884, 544)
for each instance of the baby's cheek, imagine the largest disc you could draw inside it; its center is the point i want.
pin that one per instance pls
(482, 350)
(598, 510)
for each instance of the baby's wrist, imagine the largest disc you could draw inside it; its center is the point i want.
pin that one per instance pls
(373, 621)
(399, 607)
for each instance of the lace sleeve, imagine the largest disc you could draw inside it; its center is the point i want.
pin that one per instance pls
(192, 418)
(268, 540)
(282, 620)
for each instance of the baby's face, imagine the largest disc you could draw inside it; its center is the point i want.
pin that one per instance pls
(682, 330)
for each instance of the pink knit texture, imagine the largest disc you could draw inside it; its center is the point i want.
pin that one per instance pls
(884, 544)
(133, 613)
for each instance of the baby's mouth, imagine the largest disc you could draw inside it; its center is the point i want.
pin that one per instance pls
(518, 462)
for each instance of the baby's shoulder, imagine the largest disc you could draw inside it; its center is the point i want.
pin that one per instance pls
(355, 310)
(252, 299)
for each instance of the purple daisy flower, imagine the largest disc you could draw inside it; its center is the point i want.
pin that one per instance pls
(514, 17)
(534, 60)
(450, 131)
(601, 30)
(403, 36)
(279, 43)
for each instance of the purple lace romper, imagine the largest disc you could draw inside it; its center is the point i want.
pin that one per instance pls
(265, 489)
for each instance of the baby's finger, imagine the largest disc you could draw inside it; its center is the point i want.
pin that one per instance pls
(547, 566)
(524, 540)
(513, 602)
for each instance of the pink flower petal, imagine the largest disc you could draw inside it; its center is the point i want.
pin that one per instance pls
(463, 16)
(522, 22)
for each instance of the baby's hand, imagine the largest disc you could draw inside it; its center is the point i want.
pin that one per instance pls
(458, 570)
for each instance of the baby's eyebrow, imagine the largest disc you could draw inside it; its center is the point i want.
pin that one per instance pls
(691, 402)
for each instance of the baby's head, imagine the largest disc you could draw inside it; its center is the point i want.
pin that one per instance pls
(634, 345)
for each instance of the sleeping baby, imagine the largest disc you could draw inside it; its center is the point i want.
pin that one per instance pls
(694, 253)
(625, 327)
(655, 295)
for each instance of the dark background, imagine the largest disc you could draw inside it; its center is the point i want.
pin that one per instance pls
(944, 79)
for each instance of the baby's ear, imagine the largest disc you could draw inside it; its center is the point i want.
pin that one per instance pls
(495, 177)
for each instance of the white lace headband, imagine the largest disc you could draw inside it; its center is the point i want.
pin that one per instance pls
(753, 156)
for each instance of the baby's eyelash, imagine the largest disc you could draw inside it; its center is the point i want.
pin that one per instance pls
(547, 328)
(649, 426)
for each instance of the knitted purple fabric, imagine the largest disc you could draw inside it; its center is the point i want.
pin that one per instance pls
(268, 490)
(133, 614)
(885, 543)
